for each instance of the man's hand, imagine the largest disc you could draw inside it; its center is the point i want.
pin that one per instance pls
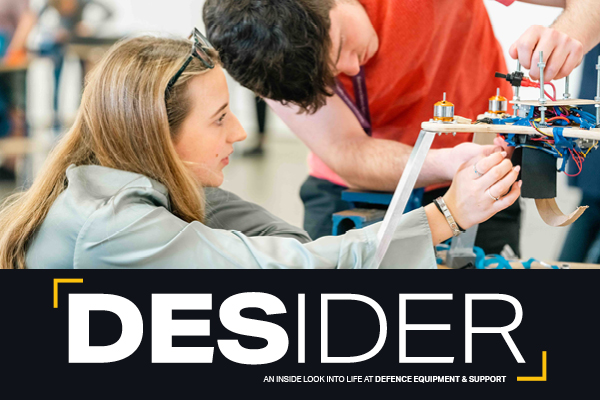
(562, 53)
(500, 142)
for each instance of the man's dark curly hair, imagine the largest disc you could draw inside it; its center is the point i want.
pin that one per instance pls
(280, 49)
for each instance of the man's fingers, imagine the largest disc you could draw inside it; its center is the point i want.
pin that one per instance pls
(499, 141)
(547, 45)
(512, 51)
(573, 60)
(555, 63)
(489, 149)
(561, 52)
(524, 46)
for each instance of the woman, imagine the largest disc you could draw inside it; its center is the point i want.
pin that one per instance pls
(121, 189)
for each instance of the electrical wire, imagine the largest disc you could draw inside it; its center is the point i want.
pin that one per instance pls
(591, 147)
(553, 88)
(578, 161)
(560, 117)
(528, 83)
(534, 126)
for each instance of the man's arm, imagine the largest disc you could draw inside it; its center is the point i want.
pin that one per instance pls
(19, 40)
(334, 134)
(550, 3)
(575, 32)
(225, 210)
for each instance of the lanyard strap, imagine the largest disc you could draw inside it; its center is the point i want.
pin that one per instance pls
(361, 109)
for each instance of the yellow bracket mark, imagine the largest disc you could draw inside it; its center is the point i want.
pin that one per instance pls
(536, 378)
(57, 281)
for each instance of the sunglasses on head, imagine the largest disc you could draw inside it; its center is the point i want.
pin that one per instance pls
(201, 44)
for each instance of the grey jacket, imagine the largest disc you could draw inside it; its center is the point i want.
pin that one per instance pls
(108, 218)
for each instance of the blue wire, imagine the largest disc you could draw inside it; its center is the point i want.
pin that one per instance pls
(545, 150)
(562, 144)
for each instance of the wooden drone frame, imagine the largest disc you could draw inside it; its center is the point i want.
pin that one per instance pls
(548, 208)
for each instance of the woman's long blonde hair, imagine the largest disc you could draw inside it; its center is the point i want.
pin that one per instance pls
(124, 122)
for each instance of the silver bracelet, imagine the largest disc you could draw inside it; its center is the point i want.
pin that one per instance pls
(441, 205)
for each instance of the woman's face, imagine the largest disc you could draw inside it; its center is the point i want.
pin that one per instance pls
(206, 137)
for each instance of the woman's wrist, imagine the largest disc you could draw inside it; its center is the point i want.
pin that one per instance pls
(459, 218)
(443, 208)
(440, 230)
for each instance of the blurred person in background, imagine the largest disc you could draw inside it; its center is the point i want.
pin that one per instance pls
(72, 25)
(261, 117)
(16, 22)
(583, 240)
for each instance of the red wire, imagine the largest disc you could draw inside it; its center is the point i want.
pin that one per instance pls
(528, 83)
(577, 158)
(578, 162)
(558, 117)
(548, 94)
(553, 87)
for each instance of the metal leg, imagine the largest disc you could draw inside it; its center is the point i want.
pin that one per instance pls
(542, 107)
(461, 250)
(402, 194)
(566, 94)
(597, 98)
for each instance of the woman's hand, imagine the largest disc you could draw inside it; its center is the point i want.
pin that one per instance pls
(481, 188)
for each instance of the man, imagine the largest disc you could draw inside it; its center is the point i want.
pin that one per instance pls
(290, 51)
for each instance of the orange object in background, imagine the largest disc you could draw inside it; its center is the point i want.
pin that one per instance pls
(15, 58)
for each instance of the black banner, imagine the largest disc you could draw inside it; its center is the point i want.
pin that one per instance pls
(355, 333)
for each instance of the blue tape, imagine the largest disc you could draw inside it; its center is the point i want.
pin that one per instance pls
(497, 259)
(479, 257)
(482, 262)
(527, 264)
(560, 141)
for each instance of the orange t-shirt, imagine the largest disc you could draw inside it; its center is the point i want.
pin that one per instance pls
(426, 48)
